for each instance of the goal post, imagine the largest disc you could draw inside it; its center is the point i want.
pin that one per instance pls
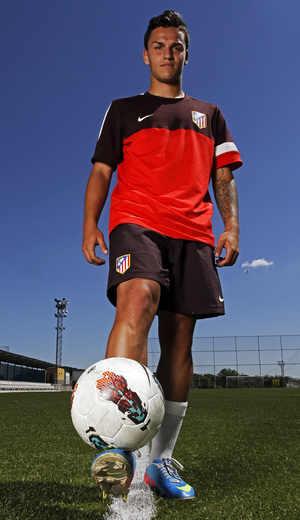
(245, 382)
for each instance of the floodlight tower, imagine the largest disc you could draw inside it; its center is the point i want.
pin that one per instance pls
(281, 364)
(61, 313)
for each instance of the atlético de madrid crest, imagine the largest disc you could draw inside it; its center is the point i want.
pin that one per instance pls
(199, 119)
(122, 264)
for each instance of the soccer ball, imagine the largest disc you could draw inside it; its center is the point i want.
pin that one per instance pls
(117, 403)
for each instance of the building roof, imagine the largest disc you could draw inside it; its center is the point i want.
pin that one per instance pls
(17, 359)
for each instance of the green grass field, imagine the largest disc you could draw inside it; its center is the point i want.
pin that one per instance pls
(240, 449)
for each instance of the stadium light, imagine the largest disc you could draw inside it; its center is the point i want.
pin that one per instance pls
(281, 364)
(61, 306)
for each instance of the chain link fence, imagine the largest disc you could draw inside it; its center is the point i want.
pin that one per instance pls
(276, 356)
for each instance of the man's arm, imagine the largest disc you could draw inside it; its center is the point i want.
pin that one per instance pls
(227, 201)
(95, 197)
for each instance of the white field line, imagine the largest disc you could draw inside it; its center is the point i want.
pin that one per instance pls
(140, 503)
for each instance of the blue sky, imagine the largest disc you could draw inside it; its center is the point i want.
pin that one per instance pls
(62, 62)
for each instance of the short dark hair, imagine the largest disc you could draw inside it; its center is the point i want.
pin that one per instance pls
(167, 19)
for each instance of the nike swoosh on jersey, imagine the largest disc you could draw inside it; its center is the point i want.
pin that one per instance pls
(140, 119)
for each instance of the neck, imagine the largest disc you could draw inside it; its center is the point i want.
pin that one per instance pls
(166, 90)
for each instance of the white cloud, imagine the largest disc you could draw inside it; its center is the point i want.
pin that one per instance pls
(260, 262)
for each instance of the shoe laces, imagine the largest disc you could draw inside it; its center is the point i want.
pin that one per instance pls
(170, 472)
(137, 454)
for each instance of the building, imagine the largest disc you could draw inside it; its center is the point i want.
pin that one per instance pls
(19, 368)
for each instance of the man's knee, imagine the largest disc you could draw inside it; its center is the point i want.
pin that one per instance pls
(139, 297)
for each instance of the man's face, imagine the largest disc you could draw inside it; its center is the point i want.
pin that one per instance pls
(166, 54)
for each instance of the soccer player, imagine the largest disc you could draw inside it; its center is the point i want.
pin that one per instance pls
(166, 147)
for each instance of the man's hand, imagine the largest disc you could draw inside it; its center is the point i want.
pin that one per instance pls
(93, 237)
(228, 240)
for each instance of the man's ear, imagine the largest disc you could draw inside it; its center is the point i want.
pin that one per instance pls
(145, 56)
(186, 58)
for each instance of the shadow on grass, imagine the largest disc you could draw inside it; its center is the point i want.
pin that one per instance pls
(48, 500)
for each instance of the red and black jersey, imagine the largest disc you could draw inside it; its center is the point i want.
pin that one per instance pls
(165, 150)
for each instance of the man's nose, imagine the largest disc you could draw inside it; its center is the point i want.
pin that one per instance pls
(168, 55)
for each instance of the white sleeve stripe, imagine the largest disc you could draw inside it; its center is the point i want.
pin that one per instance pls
(224, 148)
(103, 122)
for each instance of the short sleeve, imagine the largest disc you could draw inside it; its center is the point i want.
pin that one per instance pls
(226, 152)
(109, 144)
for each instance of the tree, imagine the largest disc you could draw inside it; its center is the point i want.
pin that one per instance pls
(205, 382)
(221, 377)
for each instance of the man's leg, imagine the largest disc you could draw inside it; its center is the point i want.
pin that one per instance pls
(175, 372)
(175, 368)
(137, 303)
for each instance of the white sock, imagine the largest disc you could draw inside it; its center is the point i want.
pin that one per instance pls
(164, 441)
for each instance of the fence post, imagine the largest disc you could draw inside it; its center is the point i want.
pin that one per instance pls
(259, 360)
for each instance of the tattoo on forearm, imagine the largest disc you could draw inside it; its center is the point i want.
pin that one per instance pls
(219, 175)
(226, 197)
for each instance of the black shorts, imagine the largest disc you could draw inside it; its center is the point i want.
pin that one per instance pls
(185, 269)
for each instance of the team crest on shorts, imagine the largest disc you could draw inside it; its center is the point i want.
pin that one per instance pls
(199, 119)
(122, 264)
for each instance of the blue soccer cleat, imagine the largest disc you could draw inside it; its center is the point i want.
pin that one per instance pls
(113, 470)
(162, 477)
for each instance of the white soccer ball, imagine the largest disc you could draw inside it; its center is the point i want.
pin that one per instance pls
(119, 403)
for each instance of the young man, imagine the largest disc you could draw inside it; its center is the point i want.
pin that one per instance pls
(166, 146)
